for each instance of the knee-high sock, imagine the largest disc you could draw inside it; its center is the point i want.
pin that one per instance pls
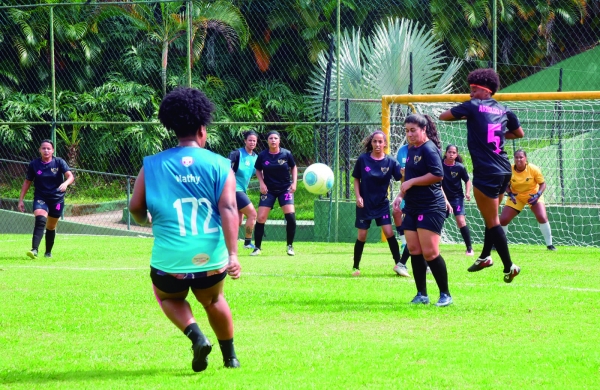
(487, 244)
(50, 235)
(466, 235)
(394, 248)
(358, 250)
(38, 231)
(440, 273)
(419, 267)
(499, 240)
(405, 255)
(290, 227)
(545, 228)
(259, 231)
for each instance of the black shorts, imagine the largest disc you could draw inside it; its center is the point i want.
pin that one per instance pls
(492, 185)
(242, 199)
(268, 199)
(433, 221)
(458, 206)
(172, 284)
(53, 208)
(364, 223)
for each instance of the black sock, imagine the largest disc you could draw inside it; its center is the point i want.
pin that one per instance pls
(419, 267)
(193, 333)
(405, 255)
(290, 227)
(499, 240)
(358, 250)
(227, 349)
(50, 235)
(394, 248)
(259, 230)
(247, 241)
(466, 235)
(38, 231)
(488, 242)
(440, 273)
(400, 230)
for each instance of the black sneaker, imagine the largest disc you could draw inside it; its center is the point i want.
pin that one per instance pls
(480, 264)
(32, 253)
(232, 363)
(48, 254)
(551, 248)
(201, 350)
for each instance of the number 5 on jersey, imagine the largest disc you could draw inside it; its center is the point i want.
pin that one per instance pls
(178, 205)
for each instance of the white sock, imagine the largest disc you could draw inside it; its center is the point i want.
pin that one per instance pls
(505, 228)
(403, 239)
(546, 232)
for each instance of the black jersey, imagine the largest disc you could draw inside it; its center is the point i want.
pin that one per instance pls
(454, 175)
(420, 161)
(375, 177)
(47, 177)
(276, 169)
(487, 122)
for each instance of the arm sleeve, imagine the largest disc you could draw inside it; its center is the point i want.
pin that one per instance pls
(63, 165)
(30, 173)
(462, 110)
(464, 175)
(538, 177)
(258, 165)
(396, 170)
(434, 162)
(357, 169)
(513, 122)
(291, 161)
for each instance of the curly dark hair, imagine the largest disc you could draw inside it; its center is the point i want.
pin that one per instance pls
(487, 78)
(427, 123)
(458, 156)
(185, 110)
(366, 142)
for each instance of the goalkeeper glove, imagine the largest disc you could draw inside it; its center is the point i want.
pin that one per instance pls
(533, 198)
(512, 196)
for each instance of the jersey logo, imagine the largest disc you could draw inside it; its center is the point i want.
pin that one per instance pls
(417, 159)
(281, 161)
(454, 174)
(200, 259)
(266, 163)
(39, 172)
(187, 161)
(247, 162)
(54, 170)
(385, 170)
(367, 169)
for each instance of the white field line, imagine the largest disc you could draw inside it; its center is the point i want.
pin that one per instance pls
(78, 269)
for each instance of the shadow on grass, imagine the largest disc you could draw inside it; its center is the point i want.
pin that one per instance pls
(41, 377)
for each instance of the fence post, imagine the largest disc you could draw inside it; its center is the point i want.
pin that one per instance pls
(53, 76)
(189, 42)
(347, 147)
(128, 198)
(558, 108)
(495, 35)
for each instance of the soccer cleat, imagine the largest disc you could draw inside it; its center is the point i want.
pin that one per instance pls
(401, 270)
(419, 298)
(444, 300)
(551, 247)
(249, 246)
(355, 272)
(255, 252)
(201, 350)
(469, 252)
(480, 264)
(32, 253)
(514, 271)
(232, 363)
(290, 250)
(48, 254)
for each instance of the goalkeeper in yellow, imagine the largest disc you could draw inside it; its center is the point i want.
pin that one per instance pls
(526, 187)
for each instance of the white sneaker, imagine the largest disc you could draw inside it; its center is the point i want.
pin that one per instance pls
(290, 250)
(255, 252)
(249, 246)
(401, 270)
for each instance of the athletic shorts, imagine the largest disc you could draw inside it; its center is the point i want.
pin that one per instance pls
(432, 221)
(175, 283)
(522, 201)
(363, 223)
(53, 208)
(242, 199)
(458, 206)
(492, 185)
(268, 199)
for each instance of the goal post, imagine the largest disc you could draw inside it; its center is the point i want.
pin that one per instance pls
(562, 137)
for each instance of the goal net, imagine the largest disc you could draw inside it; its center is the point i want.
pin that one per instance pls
(562, 137)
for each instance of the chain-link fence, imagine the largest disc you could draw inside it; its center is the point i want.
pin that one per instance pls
(91, 75)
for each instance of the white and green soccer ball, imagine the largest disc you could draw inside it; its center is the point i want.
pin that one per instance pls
(318, 179)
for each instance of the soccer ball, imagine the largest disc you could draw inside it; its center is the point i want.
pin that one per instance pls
(318, 179)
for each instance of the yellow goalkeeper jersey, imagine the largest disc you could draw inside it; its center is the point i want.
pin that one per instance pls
(528, 181)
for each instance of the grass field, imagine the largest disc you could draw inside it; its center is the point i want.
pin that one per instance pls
(87, 318)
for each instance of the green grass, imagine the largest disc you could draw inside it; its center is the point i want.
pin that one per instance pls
(87, 318)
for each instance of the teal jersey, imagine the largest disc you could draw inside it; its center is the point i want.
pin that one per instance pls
(401, 157)
(183, 188)
(245, 169)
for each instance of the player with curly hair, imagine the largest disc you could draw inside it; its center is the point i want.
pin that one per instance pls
(488, 124)
(190, 195)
